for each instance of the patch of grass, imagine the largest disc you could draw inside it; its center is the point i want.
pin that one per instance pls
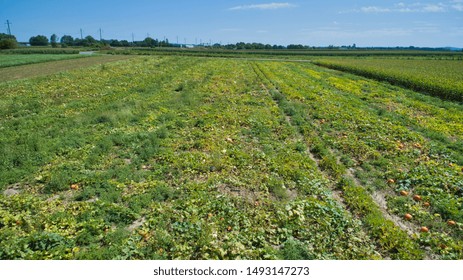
(8, 60)
(53, 67)
(295, 250)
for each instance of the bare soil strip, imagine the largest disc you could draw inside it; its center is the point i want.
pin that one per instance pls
(47, 68)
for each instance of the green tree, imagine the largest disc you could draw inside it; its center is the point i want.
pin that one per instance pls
(149, 42)
(240, 46)
(115, 43)
(67, 40)
(125, 43)
(7, 41)
(54, 40)
(86, 42)
(91, 40)
(38, 40)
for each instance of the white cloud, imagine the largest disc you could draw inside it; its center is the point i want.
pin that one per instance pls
(410, 8)
(374, 9)
(457, 5)
(433, 8)
(267, 6)
(417, 7)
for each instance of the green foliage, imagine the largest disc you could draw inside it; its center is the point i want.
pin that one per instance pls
(342, 125)
(38, 40)
(295, 250)
(53, 40)
(186, 158)
(435, 77)
(40, 50)
(7, 41)
(21, 59)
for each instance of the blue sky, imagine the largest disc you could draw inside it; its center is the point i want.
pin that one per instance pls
(316, 23)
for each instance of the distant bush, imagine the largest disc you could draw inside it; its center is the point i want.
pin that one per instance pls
(7, 41)
(38, 40)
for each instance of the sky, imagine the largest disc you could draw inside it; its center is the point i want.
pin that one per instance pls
(426, 23)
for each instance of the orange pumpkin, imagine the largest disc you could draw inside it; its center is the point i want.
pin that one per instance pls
(403, 193)
(408, 217)
(451, 223)
(416, 197)
(424, 229)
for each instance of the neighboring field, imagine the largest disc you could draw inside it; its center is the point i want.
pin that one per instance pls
(293, 54)
(193, 158)
(22, 59)
(442, 78)
(47, 68)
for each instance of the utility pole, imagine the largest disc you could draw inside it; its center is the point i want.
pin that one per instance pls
(8, 24)
(101, 38)
(81, 35)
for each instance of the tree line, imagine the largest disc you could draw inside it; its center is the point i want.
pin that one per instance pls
(9, 42)
(89, 41)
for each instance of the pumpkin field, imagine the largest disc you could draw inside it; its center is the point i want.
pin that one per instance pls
(189, 157)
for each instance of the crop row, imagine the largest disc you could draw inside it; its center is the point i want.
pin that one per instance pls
(441, 78)
(162, 158)
(376, 141)
(190, 158)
